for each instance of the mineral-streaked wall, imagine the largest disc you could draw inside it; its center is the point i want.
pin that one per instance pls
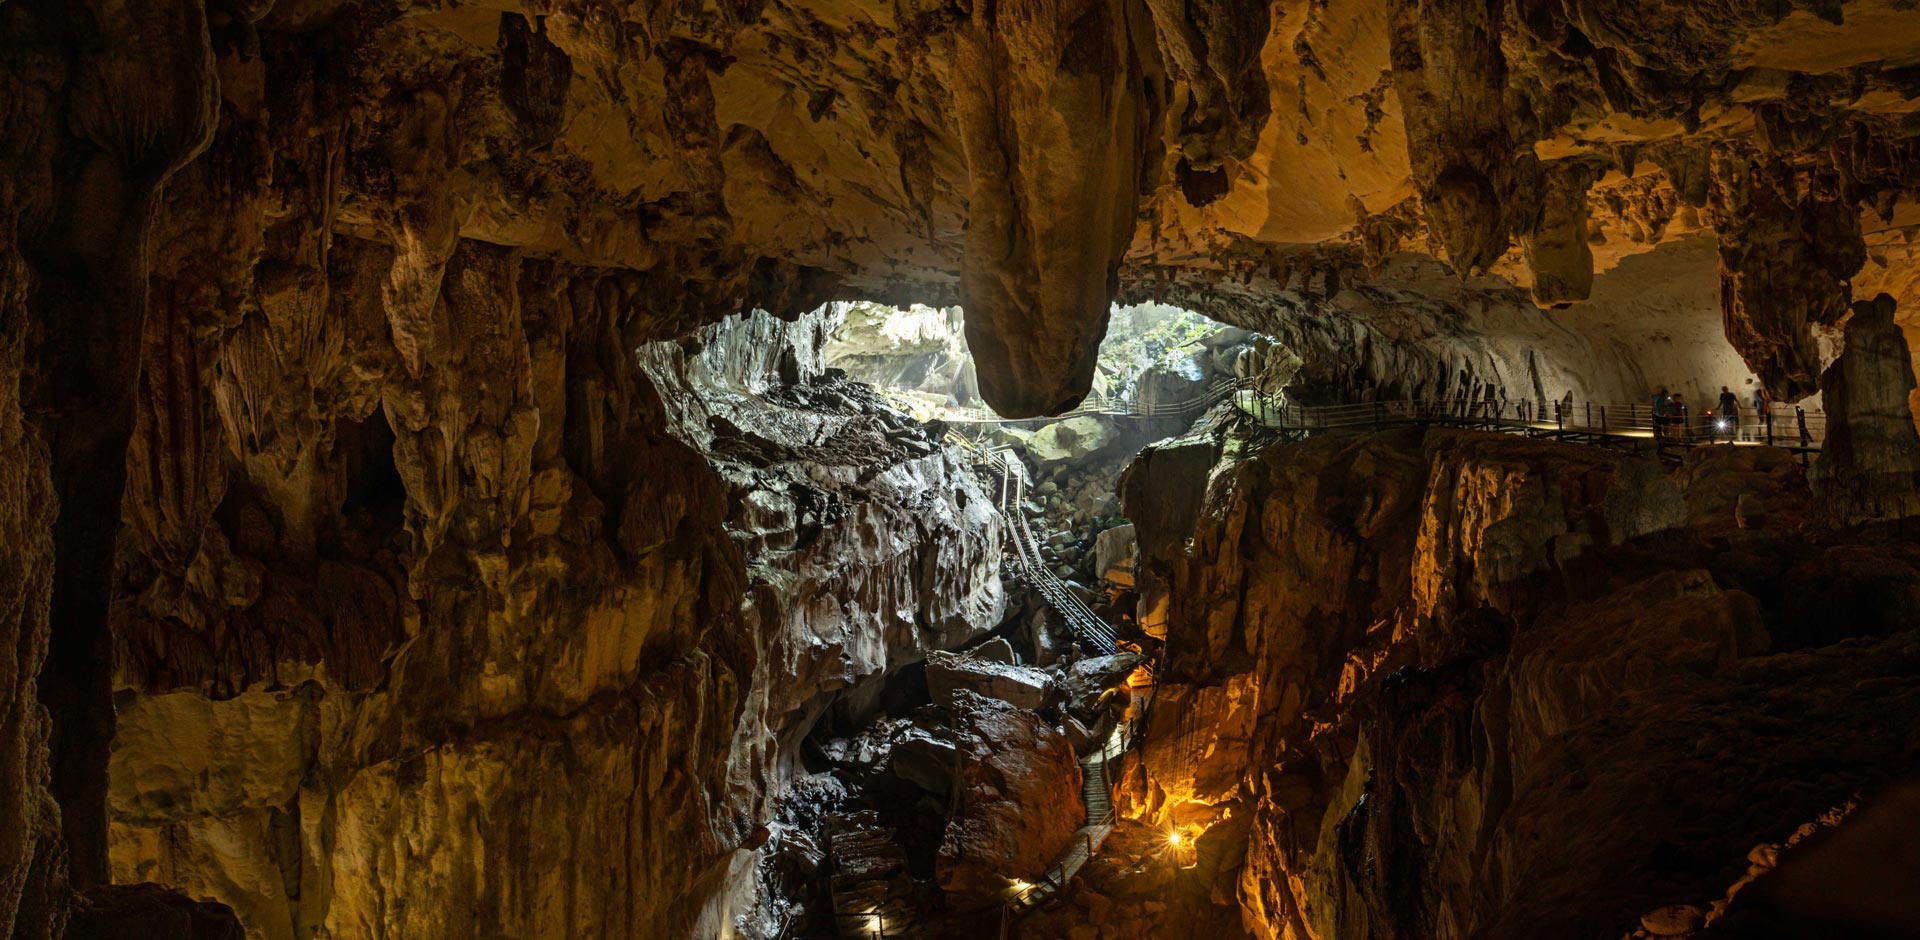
(1452, 684)
(605, 706)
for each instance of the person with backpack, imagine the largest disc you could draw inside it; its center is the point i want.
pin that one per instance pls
(1662, 409)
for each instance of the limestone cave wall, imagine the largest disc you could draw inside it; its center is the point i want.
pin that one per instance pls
(324, 433)
(582, 722)
(1448, 684)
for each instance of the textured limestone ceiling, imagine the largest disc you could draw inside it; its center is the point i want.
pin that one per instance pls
(1029, 158)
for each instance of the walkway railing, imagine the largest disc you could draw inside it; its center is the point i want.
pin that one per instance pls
(1590, 422)
(1594, 422)
(1109, 408)
(1101, 814)
(1024, 554)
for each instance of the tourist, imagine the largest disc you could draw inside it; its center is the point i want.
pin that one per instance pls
(1762, 414)
(1677, 417)
(1662, 409)
(1727, 415)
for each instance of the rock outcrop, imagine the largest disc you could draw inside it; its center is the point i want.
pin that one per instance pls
(1018, 802)
(650, 663)
(949, 675)
(1461, 685)
(148, 910)
(1869, 467)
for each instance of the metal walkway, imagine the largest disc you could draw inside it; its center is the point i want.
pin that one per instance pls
(1600, 423)
(1010, 482)
(1096, 790)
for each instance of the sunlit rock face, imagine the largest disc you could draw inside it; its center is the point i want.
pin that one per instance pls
(917, 349)
(1651, 321)
(578, 723)
(1451, 684)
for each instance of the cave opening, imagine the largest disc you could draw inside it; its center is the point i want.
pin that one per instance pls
(993, 669)
(1355, 470)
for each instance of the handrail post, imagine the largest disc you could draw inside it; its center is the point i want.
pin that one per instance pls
(1603, 420)
(1801, 415)
(1589, 414)
(1769, 417)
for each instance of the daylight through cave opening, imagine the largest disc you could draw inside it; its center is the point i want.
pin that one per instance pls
(1344, 469)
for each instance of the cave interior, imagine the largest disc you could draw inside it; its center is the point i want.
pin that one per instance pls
(1090, 470)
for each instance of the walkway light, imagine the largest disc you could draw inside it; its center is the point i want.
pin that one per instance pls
(1174, 838)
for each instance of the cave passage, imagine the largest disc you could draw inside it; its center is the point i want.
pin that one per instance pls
(1132, 469)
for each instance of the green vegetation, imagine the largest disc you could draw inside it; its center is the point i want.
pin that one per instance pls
(1146, 336)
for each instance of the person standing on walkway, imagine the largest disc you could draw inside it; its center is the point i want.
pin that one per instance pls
(1662, 409)
(1762, 413)
(1677, 417)
(1729, 412)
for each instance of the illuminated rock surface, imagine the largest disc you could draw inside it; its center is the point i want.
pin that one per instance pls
(389, 547)
(1421, 668)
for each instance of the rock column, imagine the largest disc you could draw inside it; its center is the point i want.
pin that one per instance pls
(1871, 461)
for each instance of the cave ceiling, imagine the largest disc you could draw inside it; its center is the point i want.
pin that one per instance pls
(1035, 160)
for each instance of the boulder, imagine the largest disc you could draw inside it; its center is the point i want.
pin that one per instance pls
(1177, 384)
(1717, 482)
(1020, 686)
(1018, 806)
(996, 650)
(1163, 489)
(1078, 735)
(1074, 439)
(926, 762)
(1674, 920)
(1088, 679)
(1113, 552)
